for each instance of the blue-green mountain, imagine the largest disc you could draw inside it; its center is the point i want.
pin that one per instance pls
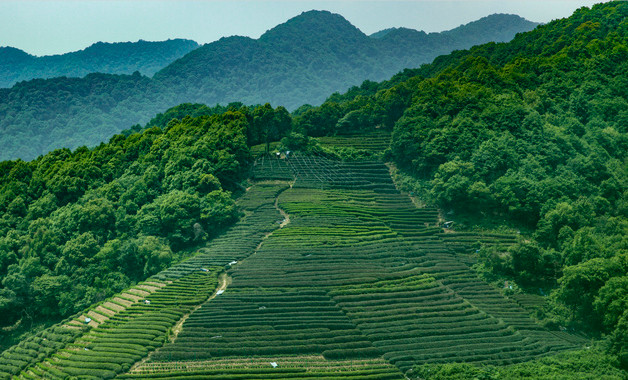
(111, 58)
(301, 61)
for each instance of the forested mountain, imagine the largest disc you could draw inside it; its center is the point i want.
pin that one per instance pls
(402, 42)
(111, 58)
(315, 54)
(331, 271)
(530, 134)
(300, 61)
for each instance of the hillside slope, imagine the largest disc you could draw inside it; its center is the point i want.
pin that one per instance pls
(531, 135)
(110, 58)
(301, 61)
(356, 282)
(76, 227)
(331, 272)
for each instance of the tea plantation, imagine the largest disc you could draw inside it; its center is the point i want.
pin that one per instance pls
(330, 274)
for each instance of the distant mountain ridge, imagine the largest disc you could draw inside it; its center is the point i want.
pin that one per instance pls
(315, 54)
(111, 58)
(303, 60)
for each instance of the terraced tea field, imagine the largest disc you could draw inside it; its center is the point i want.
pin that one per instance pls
(374, 142)
(333, 275)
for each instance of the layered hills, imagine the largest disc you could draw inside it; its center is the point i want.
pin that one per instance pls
(301, 61)
(110, 58)
(491, 245)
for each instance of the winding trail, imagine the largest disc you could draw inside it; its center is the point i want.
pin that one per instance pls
(284, 222)
(286, 217)
(223, 281)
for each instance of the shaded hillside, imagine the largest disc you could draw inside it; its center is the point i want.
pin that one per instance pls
(403, 43)
(111, 58)
(45, 114)
(301, 61)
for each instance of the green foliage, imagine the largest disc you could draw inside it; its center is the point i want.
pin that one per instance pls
(619, 340)
(580, 288)
(179, 112)
(74, 112)
(584, 364)
(79, 226)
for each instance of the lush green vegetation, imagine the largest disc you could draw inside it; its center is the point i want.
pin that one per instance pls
(354, 274)
(585, 364)
(78, 226)
(125, 328)
(337, 265)
(111, 58)
(72, 112)
(292, 367)
(531, 133)
(358, 246)
(266, 124)
(268, 322)
(301, 61)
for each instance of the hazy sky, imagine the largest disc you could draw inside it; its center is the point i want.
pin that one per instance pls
(43, 27)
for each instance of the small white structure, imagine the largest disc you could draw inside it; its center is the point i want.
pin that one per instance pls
(220, 292)
(205, 269)
(274, 364)
(234, 262)
(147, 302)
(87, 319)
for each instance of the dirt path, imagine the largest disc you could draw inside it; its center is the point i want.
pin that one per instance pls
(286, 217)
(223, 282)
(284, 222)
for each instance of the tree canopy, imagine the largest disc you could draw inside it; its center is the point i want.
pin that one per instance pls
(78, 226)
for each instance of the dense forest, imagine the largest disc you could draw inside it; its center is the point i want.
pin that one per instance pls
(301, 61)
(78, 226)
(110, 58)
(530, 134)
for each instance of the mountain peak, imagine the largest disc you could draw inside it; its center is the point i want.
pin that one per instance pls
(503, 25)
(12, 55)
(313, 26)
